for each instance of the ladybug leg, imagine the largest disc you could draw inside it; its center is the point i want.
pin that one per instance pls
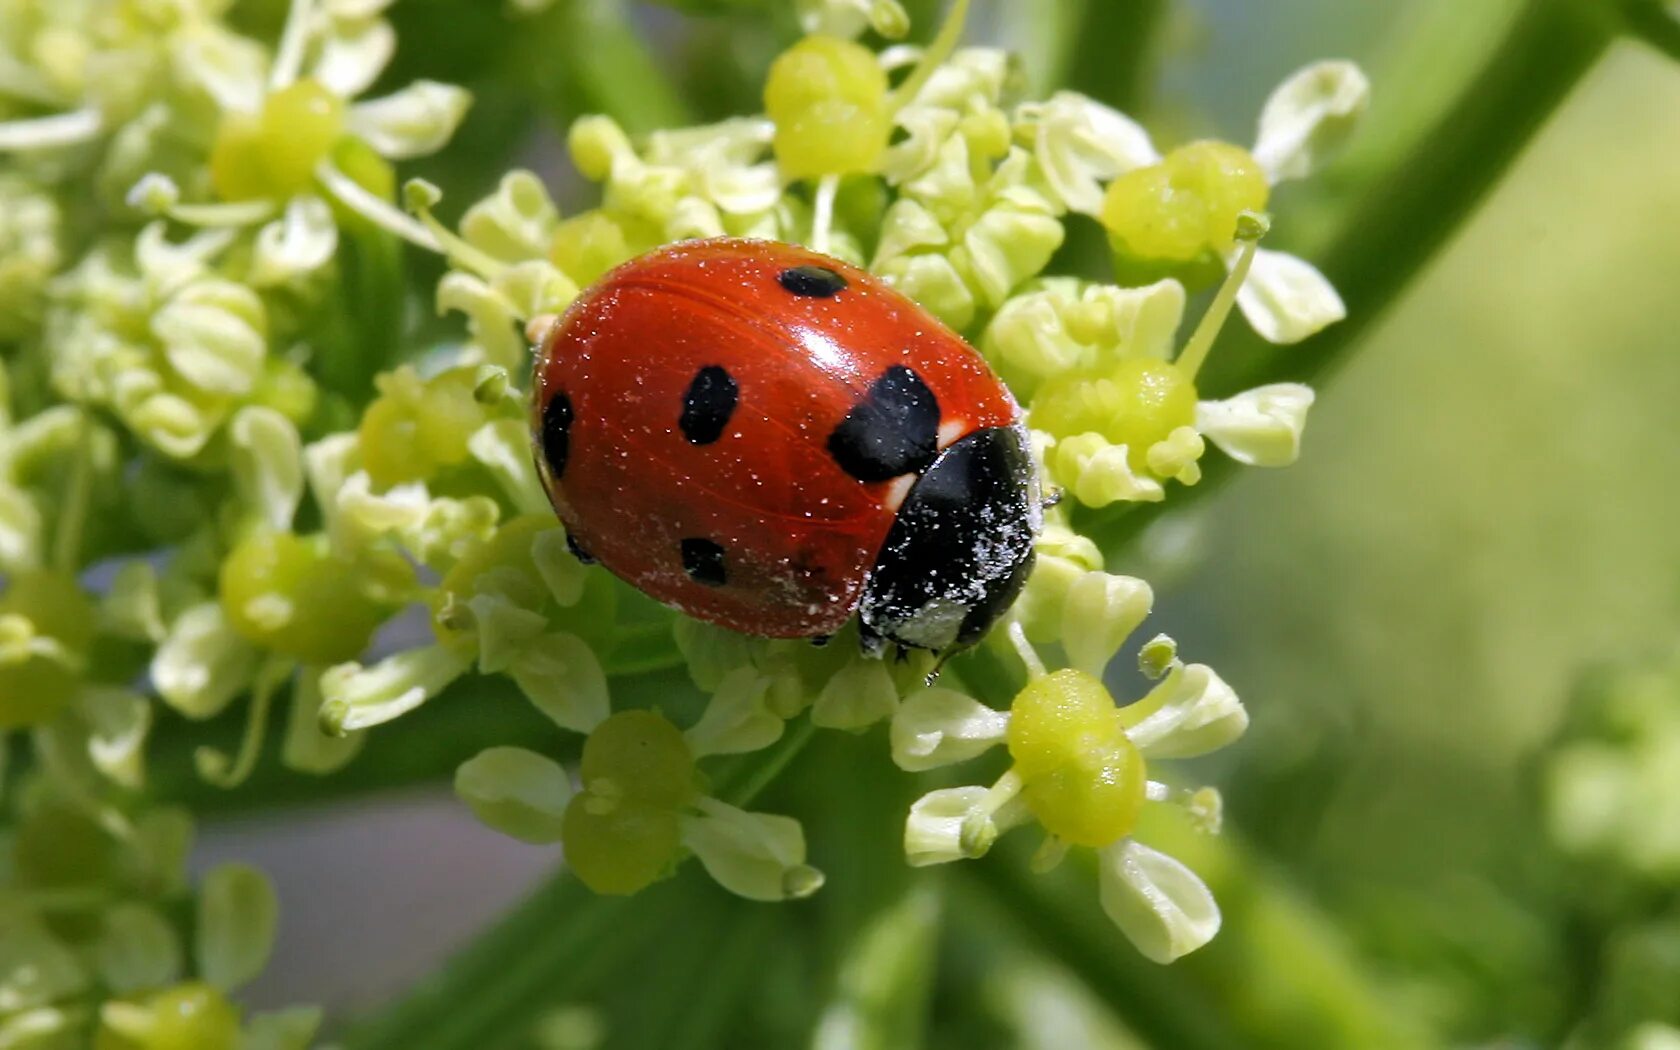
(870, 641)
(578, 552)
(1051, 498)
(901, 655)
(821, 640)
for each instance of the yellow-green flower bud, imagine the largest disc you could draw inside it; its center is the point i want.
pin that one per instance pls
(191, 1016)
(1081, 776)
(1136, 403)
(291, 594)
(416, 427)
(829, 100)
(273, 153)
(644, 755)
(46, 624)
(1185, 207)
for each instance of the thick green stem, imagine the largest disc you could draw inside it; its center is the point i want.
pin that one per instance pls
(1404, 219)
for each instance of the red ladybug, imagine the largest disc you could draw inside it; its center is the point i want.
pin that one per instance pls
(770, 439)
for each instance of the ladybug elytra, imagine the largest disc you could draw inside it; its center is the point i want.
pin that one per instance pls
(770, 440)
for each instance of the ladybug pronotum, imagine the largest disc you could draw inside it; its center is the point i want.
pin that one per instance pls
(770, 440)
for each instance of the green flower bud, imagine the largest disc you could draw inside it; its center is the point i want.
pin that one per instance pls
(829, 100)
(1082, 777)
(191, 1016)
(274, 153)
(291, 594)
(1185, 207)
(416, 427)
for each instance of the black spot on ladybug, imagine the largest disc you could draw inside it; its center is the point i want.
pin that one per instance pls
(707, 406)
(578, 552)
(557, 432)
(703, 561)
(894, 430)
(817, 282)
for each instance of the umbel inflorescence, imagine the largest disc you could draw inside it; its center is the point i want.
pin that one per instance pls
(192, 402)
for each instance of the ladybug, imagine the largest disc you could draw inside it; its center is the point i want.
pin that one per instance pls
(770, 439)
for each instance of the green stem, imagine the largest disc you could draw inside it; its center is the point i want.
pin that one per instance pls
(1654, 24)
(1117, 57)
(584, 56)
(1404, 219)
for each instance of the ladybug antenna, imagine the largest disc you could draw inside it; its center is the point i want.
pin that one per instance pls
(1251, 226)
(944, 42)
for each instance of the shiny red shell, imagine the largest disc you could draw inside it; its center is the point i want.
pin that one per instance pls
(794, 534)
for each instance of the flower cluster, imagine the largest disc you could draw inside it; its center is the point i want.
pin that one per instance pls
(204, 398)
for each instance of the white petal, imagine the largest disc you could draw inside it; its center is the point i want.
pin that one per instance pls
(1196, 713)
(1081, 143)
(413, 122)
(203, 663)
(756, 855)
(298, 243)
(1100, 473)
(1100, 612)
(1158, 903)
(504, 446)
(856, 697)
(937, 727)
(1260, 427)
(306, 748)
(563, 677)
(1286, 299)
(238, 913)
(517, 792)
(558, 566)
(737, 719)
(354, 55)
(118, 721)
(933, 832)
(505, 631)
(214, 335)
(1309, 116)
(20, 530)
(356, 697)
(267, 464)
(137, 949)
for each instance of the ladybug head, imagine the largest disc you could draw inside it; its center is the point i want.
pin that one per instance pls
(960, 548)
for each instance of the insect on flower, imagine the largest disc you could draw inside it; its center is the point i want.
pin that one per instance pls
(770, 439)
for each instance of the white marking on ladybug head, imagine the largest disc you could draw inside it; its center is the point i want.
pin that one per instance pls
(949, 432)
(934, 626)
(897, 491)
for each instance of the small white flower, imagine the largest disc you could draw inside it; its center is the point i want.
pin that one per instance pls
(267, 464)
(754, 855)
(1258, 427)
(413, 122)
(516, 791)
(563, 677)
(1305, 119)
(936, 727)
(203, 663)
(737, 718)
(298, 243)
(1163, 907)
(238, 913)
(856, 697)
(356, 697)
